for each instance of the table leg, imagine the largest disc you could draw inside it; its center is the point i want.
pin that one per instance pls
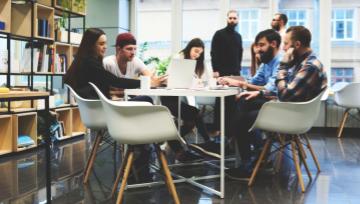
(222, 147)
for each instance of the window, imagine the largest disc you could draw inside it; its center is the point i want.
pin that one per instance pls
(248, 24)
(342, 75)
(342, 24)
(295, 17)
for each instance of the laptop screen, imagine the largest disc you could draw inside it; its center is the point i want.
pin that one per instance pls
(181, 73)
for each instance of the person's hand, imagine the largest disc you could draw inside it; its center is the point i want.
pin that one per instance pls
(156, 81)
(288, 56)
(248, 95)
(230, 82)
(216, 74)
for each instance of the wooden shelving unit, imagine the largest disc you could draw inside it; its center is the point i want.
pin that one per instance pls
(63, 49)
(6, 142)
(24, 124)
(21, 19)
(5, 14)
(45, 13)
(45, 2)
(64, 115)
(78, 127)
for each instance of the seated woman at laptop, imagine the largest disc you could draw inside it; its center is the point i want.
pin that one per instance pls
(189, 114)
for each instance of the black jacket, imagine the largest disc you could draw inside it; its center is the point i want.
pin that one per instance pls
(226, 52)
(91, 70)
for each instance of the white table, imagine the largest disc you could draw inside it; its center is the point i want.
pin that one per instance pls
(200, 93)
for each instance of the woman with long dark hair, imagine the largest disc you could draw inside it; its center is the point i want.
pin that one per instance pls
(189, 114)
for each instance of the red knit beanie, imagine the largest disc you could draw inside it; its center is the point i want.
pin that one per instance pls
(124, 39)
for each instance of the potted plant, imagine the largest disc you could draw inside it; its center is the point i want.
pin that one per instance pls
(160, 65)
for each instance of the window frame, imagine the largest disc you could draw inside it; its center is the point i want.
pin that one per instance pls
(343, 77)
(306, 19)
(345, 20)
(257, 21)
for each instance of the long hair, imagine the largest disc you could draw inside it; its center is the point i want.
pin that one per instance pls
(86, 49)
(196, 42)
(255, 63)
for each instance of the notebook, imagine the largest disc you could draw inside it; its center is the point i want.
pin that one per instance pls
(181, 73)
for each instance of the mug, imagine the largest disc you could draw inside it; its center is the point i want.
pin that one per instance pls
(145, 82)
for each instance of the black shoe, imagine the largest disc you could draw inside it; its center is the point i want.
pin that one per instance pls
(187, 157)
(239, 174)
(210, 148)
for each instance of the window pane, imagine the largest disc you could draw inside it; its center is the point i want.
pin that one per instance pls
(156, 35)
(349, 30)
(349, 72)
(292, 15)
(197, 16)
(339, 30)
(339, 14)
(349, 14)
(301, 14)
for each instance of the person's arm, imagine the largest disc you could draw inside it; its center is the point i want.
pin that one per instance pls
(215, 48)
(100, 75)
(291, 91)
(270, 87)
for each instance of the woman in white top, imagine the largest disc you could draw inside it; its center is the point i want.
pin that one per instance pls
(189, 114)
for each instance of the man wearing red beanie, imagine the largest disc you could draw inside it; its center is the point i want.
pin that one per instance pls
(124, 63)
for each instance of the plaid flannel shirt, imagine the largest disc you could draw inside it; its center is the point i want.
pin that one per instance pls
(301, 82)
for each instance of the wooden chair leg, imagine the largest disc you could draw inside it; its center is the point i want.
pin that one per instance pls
(126, 175)
(92, 156)
(120, 173)
(342, 124)
(297, 167)
(258, 163)
(169, 180)
(301, 147)
(281, 152)
(312, 153)
(302, 158)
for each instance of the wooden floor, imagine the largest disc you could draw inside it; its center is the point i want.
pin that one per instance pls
(22, 178)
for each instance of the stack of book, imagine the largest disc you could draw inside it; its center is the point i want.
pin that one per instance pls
(43, 28)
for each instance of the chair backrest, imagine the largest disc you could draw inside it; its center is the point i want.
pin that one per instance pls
(132, 122)
(348, 96)
(91, 111)
(288, 117)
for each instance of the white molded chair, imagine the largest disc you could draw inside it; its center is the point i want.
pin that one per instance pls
(346, 95)
(134, 123)
(288, 118)
(93, 117)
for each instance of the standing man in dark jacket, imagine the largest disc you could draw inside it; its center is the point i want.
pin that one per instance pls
(226, 48)
(226, 57)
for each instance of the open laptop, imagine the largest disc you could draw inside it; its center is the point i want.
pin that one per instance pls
(181, 73)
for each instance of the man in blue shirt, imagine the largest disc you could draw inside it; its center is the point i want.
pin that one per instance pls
(263, 89)
(268, 42)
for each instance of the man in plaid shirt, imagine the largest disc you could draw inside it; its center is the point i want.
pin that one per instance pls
(300, 78)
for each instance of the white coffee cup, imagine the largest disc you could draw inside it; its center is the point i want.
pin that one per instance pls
(212, 82)
(145, 82)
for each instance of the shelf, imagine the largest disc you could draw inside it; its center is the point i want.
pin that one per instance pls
(24, 124)
(44, 16)
(63, 53)
(5, 134)
(44, 2)
(78, 8)
(64, 115)
(21, 19)
(78, 127)
(5, 14)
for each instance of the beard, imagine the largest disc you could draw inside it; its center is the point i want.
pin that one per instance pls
(276, 27)
(231, 26)
(267, 56)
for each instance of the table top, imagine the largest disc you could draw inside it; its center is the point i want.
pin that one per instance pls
(182, 92)
(21, 94)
